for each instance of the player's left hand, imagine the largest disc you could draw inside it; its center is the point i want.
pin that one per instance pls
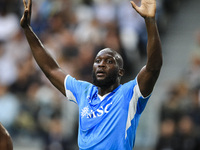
(147, 8)
(26, 18)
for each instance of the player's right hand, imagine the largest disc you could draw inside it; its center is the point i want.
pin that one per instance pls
(26, 18)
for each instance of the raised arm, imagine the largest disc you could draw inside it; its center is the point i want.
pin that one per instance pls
(5, 139)
(48, 65)
(148, 75)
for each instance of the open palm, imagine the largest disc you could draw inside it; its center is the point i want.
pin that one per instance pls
(147, 8)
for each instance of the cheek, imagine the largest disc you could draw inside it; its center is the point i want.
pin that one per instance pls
(112, 71)
(94, 67)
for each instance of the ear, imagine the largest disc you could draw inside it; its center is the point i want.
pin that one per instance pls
(121, 72)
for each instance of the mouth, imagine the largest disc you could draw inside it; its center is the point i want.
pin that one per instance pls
(100, 73)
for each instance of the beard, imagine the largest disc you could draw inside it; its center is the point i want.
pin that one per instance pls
(109, 80)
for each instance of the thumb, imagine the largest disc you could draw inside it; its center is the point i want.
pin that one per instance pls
(134, 5)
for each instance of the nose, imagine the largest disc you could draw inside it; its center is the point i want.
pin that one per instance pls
(101, 64)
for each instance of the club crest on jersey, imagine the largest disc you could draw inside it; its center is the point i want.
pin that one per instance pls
(86, 112)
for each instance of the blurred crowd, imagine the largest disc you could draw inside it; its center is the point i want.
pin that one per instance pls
(73, 31)
(180, 112)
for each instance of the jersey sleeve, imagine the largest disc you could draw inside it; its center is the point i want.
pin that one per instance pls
(142, 101)
(74, 88)
(137, 101)
(136, 104)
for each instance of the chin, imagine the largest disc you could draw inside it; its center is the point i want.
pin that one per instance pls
(105, 81)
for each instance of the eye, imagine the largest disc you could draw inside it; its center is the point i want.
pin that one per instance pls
(109, 61)
(97, 61)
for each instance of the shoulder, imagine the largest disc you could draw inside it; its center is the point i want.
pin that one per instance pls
(69, 80)
(130, 84)
(74, 88)
(132, 87)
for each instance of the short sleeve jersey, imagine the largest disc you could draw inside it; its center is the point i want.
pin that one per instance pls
(109, 123)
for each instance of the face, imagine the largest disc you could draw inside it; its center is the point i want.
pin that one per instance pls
(105, 69)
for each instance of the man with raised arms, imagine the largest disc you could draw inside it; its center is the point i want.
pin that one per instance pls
(109, 112)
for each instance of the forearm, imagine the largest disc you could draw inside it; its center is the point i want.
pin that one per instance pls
(154, 50)
(42, 57)
(45, 61)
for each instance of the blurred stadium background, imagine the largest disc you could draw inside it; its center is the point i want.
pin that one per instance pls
(38, 117)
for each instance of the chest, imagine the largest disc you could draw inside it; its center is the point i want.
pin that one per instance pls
(95, 112)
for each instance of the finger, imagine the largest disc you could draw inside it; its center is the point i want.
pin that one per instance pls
(134, 5)
(30, 5)
(24, 2)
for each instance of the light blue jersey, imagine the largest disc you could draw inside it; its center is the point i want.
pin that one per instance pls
(109, 122)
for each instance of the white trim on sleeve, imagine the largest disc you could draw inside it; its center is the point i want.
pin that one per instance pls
(133, 105)
(69, 95)
(139, 92)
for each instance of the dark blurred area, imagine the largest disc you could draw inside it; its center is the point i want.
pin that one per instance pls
(73, 31)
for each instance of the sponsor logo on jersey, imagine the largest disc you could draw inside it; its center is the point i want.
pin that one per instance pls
(86, 112)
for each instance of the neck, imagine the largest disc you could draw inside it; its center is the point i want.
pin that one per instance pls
(107, 89)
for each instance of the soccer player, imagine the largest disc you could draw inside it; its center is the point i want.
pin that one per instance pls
(109, 112)
(5, 139)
